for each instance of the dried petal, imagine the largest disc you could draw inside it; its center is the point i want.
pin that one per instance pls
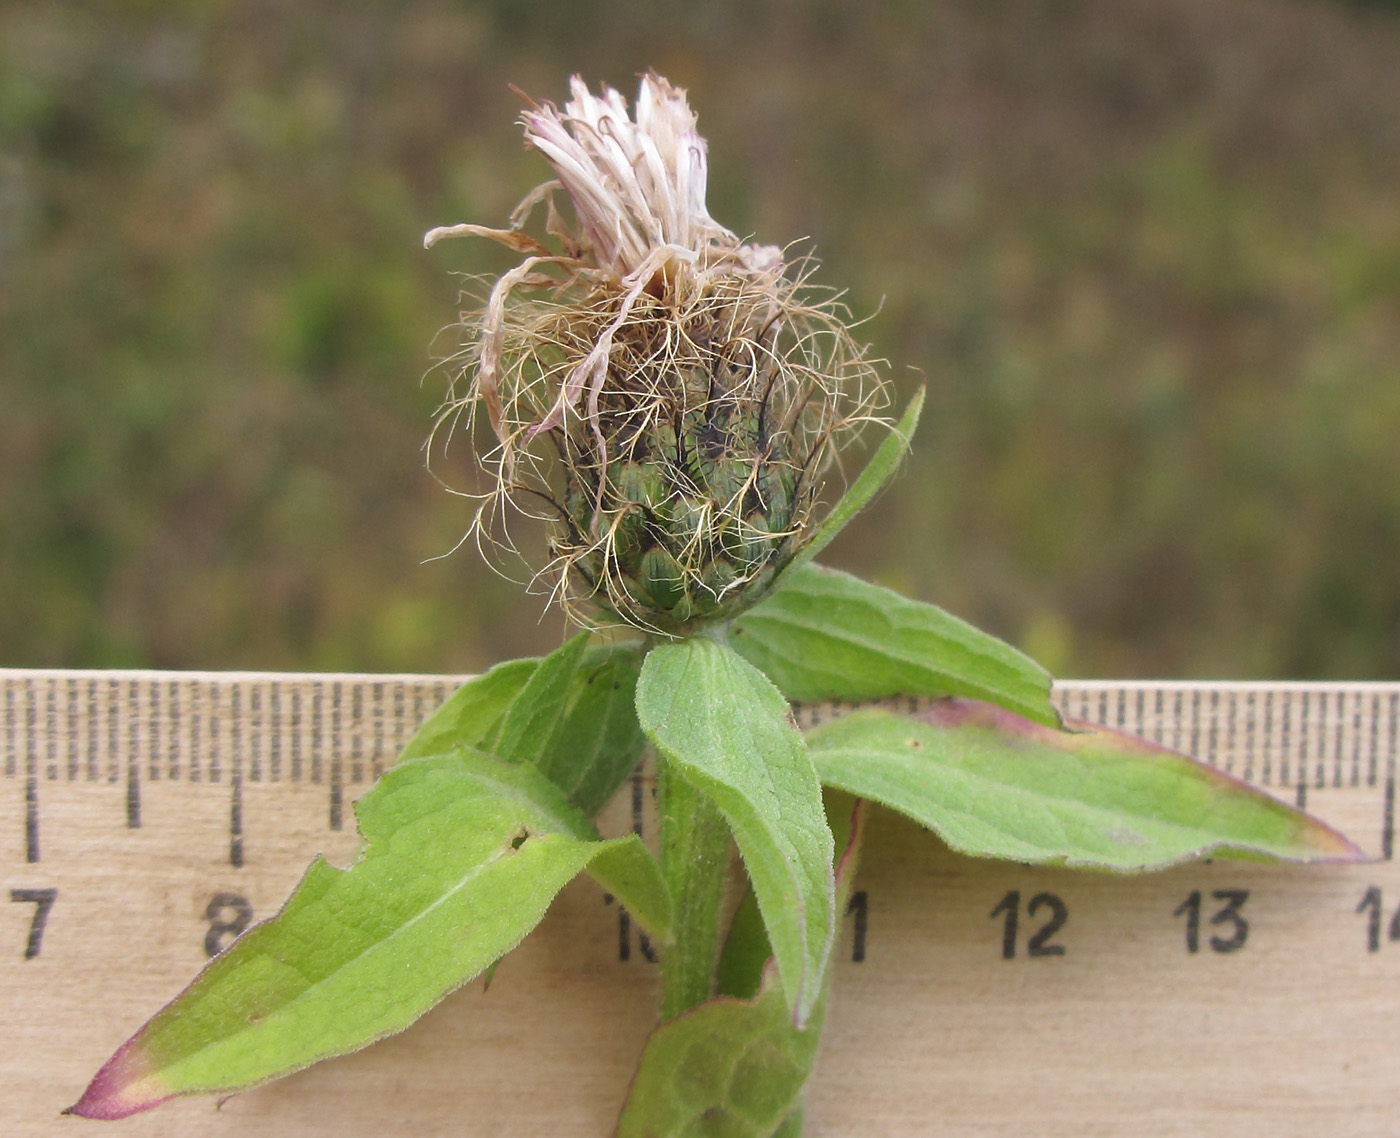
(666, 348)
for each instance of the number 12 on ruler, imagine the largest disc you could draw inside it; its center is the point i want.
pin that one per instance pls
(1039, 944)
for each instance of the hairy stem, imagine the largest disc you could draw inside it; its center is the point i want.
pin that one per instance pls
(695, 853)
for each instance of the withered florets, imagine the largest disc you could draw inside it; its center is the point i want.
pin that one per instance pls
(672, 396)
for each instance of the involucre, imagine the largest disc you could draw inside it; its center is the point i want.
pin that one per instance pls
(670, 398)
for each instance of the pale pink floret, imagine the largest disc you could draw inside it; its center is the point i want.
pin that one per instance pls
(636, 186)
(638, 191)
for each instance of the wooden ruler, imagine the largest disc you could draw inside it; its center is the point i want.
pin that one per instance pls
(148, 817)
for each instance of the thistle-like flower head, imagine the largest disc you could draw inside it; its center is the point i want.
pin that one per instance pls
(672, 394)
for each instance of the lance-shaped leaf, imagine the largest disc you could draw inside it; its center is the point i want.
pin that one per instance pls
(827, 635)
(531, 725)
(473, 713)
(993, 784)
(575, 720)
(463, 853)
(599, 741)
(570, 714)
(735, 1067)
(746, 948)
(725, 728)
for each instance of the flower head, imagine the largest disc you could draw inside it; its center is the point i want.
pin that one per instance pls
(671, 393)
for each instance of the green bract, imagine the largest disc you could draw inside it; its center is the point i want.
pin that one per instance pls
(663, 388)
(698, 476)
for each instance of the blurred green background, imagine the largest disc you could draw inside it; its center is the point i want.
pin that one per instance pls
(1145, 253)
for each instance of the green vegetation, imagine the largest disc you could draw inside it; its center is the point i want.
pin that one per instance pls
(1145, 257)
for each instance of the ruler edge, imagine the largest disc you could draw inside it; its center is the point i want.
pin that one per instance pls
(197, 675)
(167, 675)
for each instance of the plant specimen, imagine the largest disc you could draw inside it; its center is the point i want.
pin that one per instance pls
(674, 403)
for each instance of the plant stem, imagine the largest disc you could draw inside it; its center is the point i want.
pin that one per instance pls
(695, 854)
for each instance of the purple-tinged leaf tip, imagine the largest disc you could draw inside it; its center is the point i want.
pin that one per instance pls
(123, 1087)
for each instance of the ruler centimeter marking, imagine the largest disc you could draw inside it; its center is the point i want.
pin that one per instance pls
(233, 729)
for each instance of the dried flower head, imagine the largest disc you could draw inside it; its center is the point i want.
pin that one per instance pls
(673, 396)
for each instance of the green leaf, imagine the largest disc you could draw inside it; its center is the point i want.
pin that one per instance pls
(625, 868)
(735, 1068)
(572, 715)
(746, 947)
(993, 784)
(531, 725)
(575, 720)
(473, 712)
(599, 742)
(726, 1069)
(746, 951)
(792, 1125)
(463, 853)
(827, 635)
(869, 482)
(725, 728)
